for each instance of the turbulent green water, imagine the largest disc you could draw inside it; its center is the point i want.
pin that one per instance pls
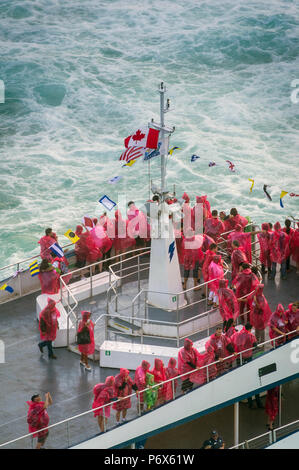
(82, 75)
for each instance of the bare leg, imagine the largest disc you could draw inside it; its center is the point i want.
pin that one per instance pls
(117, 416)
(101, 423)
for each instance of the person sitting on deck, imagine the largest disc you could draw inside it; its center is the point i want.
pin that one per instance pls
(49, 278)
(45, 242)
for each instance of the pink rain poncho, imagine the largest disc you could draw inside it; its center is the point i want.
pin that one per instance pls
(260, 311)
(206, 208)
(86, 248)
(294, 245)
(170, 372)
(187, 212)
(215, 271)
(293, 319)
(140, 377)
(209, 254)
(137, 223)
(37, 418)
(191, 251)
(222, 347)
(159, 376)
(188, 358)
(264, 240)
(279, 245)
(48, 321)
(122, 388)
(231, 223)
(213, 227)
(278, 320)
(88, 348)
(100, 238)
(103, 394)
(49, 281)
(204, 373)
(271, 405)
(45, 243)
(238, 257)
(243, 238)
(122, 241)
(243, 340)
(245, 282)
(228, 303)
(206, 242)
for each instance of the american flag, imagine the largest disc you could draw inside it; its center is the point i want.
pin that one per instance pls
(132, 153)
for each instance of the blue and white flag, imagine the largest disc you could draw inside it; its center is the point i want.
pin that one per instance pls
(57, 250)
(107, 203)
(152, 153)
(194, 157)
(114, 180)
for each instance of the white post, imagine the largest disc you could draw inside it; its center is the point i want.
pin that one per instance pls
(236, 423)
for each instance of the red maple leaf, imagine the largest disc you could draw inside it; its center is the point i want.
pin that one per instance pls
(138, 135)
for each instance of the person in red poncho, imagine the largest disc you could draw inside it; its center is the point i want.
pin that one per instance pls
(191, 255)
(264, 241)
(294, 247)
(279, 251)
(86, 249)
(170, 372)
(38, 418)
(205, 372)
(271, 406)
(123, 385)
(45, 242)
(222, 347)
(86, 330)
(245, 283)
(260, 313)
(293, 319)
(290, 232)
(213, 226)
(208, 256)
(103, 394)
(159, 376)
(229, 327)
(244, 240)
(140, 381)
(202, 209)
(49, 278)
(187, 213)
(122, 241)
(238, 257)
(228, 303)
(278, 325)
(188, 359)
(215, 272)
(48, 325)
(237, 218)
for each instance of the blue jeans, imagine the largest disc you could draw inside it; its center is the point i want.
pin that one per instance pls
(283, 269)
(42, 344)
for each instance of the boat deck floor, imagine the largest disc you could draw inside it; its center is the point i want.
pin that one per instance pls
(25, 372)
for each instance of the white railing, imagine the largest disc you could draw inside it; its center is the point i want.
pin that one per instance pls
(237, 358)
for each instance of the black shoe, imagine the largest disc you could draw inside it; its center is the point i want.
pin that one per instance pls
(53, 357)
(41, 349)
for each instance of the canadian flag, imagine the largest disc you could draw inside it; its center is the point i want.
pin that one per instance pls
(147, 138)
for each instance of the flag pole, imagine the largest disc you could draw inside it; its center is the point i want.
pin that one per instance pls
(162, 90)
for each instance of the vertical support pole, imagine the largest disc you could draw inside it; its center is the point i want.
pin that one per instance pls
(177, 323)
(173, 391)
(19, 279)
(90, 275)
(236, 423)
(68, 434)
(279, 415)
(138, 272)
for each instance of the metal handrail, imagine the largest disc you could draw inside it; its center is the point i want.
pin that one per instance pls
(235, 355)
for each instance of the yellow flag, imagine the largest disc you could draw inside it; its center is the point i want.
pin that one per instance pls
(173, 149)
(252, 181)
(3, 287)
(71, 236)
(131, 162)
(283, 193)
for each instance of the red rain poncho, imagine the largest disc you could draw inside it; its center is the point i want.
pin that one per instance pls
(188, 358)
(207, 260)
(206, 207)
(103, 394)
(170, 372)
(222, 347)
(137, 223)
(122, 241)
(48, 321)
(49, 281)
(293, 320)
(200, 377)
(140, 377)
(260, 311)
(37, 418)
(122, 388)
(278, 320)
(228, 303)
(243, 340)
(245, 282)
(264, 240)
(190, 251)
(238, 257)
(45, 242)
(215, 271)
(294, 245)
(86, 348)
(271, 405)
(213, 228)
(86, 248)
(159, 376)
(206, 242)
(231, 223)
(243, 238)
(279, 245)
(100, 238)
